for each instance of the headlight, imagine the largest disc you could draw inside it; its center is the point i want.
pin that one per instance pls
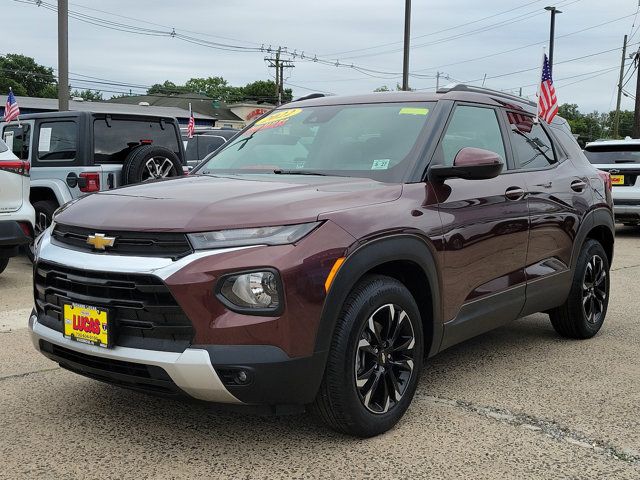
(281, 235)
(252, 292)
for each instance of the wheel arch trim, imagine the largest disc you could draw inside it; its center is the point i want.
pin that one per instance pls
(366, 257)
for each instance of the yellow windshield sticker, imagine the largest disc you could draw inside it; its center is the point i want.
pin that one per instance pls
(413, 111)
(279, 116)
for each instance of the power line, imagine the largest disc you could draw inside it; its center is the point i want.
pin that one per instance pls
(432, 33)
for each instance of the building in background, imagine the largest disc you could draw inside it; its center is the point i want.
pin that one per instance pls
(236, 115)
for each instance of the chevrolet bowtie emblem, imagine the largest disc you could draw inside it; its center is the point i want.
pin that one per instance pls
(100, 242)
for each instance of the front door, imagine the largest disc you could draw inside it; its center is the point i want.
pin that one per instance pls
(485, 226)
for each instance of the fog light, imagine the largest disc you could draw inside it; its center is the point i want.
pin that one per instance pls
(254, 291)
(242, 376)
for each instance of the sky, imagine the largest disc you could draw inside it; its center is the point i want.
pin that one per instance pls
(358, 43)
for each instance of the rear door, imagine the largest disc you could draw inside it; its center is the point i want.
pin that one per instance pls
(57, 154)
(559, 197)
(13, 177)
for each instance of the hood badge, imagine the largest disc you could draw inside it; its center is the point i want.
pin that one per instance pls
(99, 241)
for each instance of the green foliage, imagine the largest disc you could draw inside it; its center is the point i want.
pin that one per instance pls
(26, 77)
(593, 126)
(87, 95)
(165, 88)
(385, 88)
(219, 90)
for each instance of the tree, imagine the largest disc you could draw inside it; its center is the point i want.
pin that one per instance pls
(385, 88)
(569, 111)
(214, 87)
(26, 77)
(88, 95)
(166, 88)
(264, 91)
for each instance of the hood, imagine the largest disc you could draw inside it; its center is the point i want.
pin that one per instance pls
(201, 203)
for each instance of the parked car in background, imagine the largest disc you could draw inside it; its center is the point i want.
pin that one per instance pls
(320, 257)
(204, 142)
(16, 213)
(621, 158)
(75, 153)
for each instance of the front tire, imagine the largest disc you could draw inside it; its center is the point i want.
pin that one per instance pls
(583, 314)
(375, 359)
(3, 264)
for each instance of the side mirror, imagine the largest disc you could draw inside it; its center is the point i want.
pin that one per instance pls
(471, 164)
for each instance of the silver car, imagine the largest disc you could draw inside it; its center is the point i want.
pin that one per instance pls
(621, 158)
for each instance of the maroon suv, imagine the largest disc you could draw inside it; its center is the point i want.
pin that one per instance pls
(326, 251)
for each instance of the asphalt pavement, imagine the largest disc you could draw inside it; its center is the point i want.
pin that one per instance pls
(518, 402)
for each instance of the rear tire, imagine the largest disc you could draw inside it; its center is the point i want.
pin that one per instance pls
(3, 264)
(584, 311)
(44, 216)
(375, 359)
(150, 163)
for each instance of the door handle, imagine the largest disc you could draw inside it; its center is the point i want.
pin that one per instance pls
(578, 185)
(514, 193)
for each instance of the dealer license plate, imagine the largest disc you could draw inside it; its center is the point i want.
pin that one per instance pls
(617, 179)
(86, 324)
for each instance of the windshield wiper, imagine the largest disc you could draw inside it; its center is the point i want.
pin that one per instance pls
(279, 171)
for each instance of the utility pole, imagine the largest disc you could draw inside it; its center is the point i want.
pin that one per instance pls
(437, 81)
(407, 44)
(616, 121)
(63, 55)
(636, 113)
(552, 34)
(279, 65)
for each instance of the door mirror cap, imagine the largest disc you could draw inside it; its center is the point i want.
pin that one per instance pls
(470, 163)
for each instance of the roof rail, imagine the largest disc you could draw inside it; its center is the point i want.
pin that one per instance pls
(461, 87)
(309, 97)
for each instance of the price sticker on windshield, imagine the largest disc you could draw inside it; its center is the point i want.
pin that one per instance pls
(279, 116)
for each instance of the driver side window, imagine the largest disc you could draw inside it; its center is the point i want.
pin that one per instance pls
(472, 127)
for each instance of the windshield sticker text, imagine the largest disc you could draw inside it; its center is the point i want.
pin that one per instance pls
(381, 164)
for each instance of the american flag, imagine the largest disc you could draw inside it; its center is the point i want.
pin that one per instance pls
(11, 109)
(191, 126)
(547, 101)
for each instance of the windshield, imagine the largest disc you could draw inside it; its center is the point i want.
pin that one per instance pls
(373, 141)
(613, 154)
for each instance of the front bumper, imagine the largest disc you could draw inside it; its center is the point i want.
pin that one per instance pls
(191, 371)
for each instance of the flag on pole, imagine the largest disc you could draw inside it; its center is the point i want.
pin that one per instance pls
(11, 110)
(547, 101)
(191, 126)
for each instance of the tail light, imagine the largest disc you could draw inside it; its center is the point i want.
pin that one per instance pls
(26, 229)
(90, 182)
(606, 178)
(19, 166)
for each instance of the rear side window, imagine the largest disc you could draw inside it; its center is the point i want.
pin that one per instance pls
(476, 127)
(532, 147)
(57, 141)
(3, 147)
(208, 144)
(114, 140)
(609, 154)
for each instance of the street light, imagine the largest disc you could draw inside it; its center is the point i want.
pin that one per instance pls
(552, 33)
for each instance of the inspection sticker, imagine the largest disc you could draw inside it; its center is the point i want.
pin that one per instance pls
(413, 111)
(381, 164)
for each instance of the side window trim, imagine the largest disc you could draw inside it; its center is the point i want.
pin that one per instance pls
(552, 140)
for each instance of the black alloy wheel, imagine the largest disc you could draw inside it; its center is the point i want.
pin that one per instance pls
(594, 291)
(384, 360)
